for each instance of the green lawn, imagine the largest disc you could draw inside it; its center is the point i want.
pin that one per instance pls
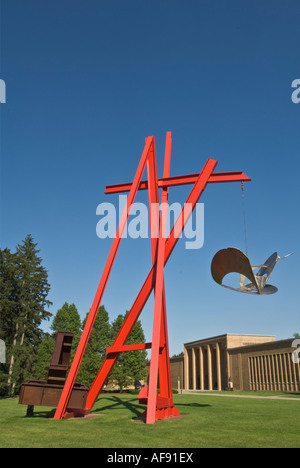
(209, 421)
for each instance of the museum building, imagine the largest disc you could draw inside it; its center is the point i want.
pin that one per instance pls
(239, 362)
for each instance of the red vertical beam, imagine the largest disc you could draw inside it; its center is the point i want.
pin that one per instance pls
(164, 369)
(148, 285)
(65, 396)
(153, 198)
(164, 356)
(159, 302)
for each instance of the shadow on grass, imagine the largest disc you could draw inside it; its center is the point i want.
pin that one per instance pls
(114, 403)
(46, 414)
(117, 403)
(135, 408)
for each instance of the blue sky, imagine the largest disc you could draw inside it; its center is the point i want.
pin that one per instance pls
(87, 81)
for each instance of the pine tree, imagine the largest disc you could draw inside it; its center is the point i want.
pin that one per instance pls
(43, 358)
(137, 359)
(67, 319)
(9, 294)
(120, 370)
(100, 339)
(31, 283)
(9, 301)
(130, 365)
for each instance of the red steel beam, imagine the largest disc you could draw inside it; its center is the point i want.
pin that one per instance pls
(164, 370)
(68, 387)
(165, 386)
(217, 177)
(159, 302)
(130, 347)
(148, 285)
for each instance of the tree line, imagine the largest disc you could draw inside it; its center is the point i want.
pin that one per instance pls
(24, 305)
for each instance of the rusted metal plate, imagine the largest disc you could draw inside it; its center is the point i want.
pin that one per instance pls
(48, 392)
(40, 393)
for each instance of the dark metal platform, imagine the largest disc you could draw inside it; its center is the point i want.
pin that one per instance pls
(48, 392)
(41, 393)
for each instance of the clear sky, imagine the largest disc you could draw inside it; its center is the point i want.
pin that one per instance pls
(87, 81)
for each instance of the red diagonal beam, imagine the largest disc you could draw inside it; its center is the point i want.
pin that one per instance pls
(217, 177)
(68, 387)
(148, 285)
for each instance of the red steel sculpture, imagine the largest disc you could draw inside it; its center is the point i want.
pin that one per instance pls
(159, 406)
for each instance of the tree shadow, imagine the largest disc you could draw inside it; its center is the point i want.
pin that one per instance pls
(194, 405)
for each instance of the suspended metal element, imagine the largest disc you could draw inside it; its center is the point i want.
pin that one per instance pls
(233, 260)
(244, 216)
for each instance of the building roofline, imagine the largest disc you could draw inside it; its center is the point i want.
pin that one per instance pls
(224, 335)
(269, 343)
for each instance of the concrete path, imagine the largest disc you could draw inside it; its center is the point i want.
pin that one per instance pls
(232, 395)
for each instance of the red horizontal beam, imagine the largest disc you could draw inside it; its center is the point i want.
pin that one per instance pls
(130, 347)
(181, 180)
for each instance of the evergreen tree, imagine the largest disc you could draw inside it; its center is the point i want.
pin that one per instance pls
(9, 300)
(137, 359)
(67, 319)
(130, 365)
(23, 308)
(44, 355)
(120, 371)
(95, 351)
(9, 294)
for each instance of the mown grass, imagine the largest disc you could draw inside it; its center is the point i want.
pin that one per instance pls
(208, 422)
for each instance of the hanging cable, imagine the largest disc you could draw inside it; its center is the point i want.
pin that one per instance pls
(244, 215)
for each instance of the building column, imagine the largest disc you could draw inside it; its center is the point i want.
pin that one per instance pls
(218, 359)
(186, 369)
(273, 372)
(281, 374)
(201, 369)
(229, 376)
(194, 369)
(287, 387)
(277, 374)
(209, 368)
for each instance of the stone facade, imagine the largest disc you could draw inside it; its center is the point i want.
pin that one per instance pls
(241, 362)
(267, 367)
